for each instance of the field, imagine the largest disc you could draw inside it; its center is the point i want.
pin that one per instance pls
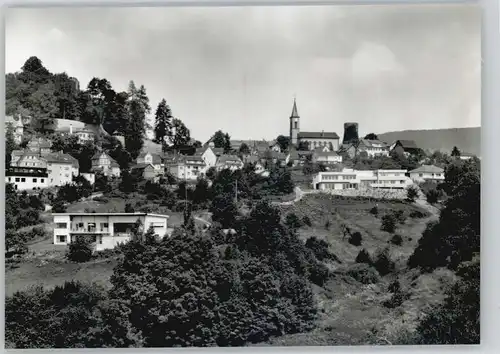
(351, 312)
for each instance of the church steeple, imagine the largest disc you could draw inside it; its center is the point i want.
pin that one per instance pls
(295, 114)
(294, 124)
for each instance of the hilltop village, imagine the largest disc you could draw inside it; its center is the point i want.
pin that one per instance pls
(115, 240)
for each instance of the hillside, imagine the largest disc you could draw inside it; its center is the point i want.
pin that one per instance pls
(466, 139)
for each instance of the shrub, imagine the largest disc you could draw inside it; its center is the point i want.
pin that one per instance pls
(292, 221)
(318, 273)
(320, 249)
(417, 214)
(397, 240)
(59, 207)
(307, 221)
(364, 257)
(129, 208)
(80, 250)
(411, 194)
(383, 263)
(400, 216)
(355, 239)
(374, 211)
(388, 223)
(363, 273)
(432, 196)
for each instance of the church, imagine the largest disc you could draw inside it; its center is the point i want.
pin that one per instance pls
(313, 140)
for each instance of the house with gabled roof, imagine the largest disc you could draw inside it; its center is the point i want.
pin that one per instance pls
(61, 168)
(104, 163)
(322, 156)
(188, 168)
(208, 155)
(144, 170)
(373, 148)
(231, 162)
(427, 173)
(406, 147)
(151, 158)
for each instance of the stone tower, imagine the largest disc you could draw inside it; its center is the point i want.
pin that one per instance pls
(294, 125)
(350, 133)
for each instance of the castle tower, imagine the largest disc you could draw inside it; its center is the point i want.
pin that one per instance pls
(294, 124)
(350, 133)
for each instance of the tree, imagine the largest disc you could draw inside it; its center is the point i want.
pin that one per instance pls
(224, 210)
(59, 207)
(388, 223)
(455, 152)
(244, 149)
(283, 142)
(181, 135)
(80, 250)
(138, 107)
(371, 136)
(222, 140)
(411, 194)
(163, 123)
(43, 106)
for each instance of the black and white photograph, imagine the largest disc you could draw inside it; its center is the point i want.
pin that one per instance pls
(242, 176)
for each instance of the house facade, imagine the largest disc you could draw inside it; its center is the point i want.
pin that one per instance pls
(85, 135)
(373, 148)
(427, 173)
(39, 145)
(104, 230)
(406, 147)
(25, 178)
(154, 160)
(108, 166)
(324, 156)
(355, 179)
(30, 159)
(61, 168)
(231, 162)
(144, 170)
(188, 168)
(208, 155)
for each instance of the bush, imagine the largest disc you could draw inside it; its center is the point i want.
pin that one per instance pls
(388, 223)
(80, 250)
(411, 194)
(417, 214)
(292, 221)
(319, 273)
(363, 273)
(432, 196)
(355, 239)
(397, 240)
(364, 257)
(383, 263)
(374, 211)
(320, 249)
(400, 216)
(129, 208)
(307, 221)
(59, 207)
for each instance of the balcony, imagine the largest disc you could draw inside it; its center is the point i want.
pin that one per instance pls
(89, 231)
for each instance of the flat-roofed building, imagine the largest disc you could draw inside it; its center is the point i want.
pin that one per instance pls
(27, 178)
(355, 179)
(104, 230)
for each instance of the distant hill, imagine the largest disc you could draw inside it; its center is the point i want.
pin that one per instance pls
(466, 139)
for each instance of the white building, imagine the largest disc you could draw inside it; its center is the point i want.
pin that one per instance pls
(231, 162)
(25, 178)
(427, 173)
(373, 148)
(105, 230)
(188, 168)
(355, 179)
(61, 168)
(84, 135)
(28, 159)
(208, 155)
(103, 162)
(89, 177)
(151, 159)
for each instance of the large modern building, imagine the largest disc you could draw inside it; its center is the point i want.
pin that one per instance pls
(105, 230)
(355, 179)
(427, 173)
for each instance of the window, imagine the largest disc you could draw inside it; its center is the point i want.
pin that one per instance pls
(17, 179)
(41, 180)
(104, 226)
(100, 240)
(9, 179)
(61, 225)
(23, 179)
(421, 175)
(61, 238)
(295, 124)
(91, 227)
(34, 180)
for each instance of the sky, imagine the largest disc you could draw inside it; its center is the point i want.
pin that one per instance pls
(238, 69)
